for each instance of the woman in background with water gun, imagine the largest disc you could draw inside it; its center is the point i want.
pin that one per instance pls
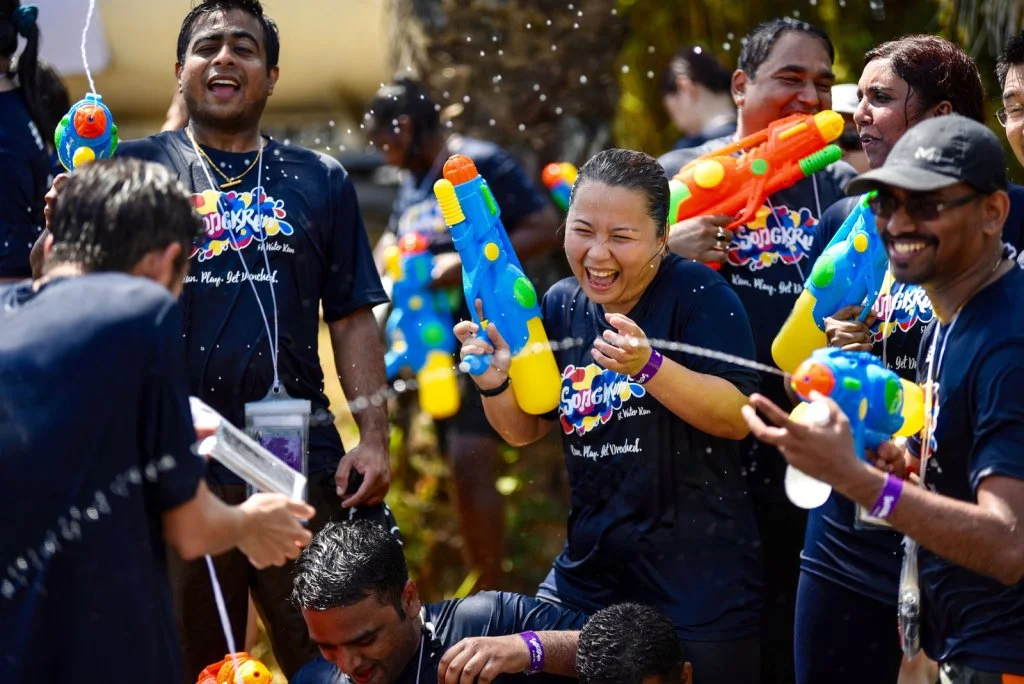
(24, 158)
(660, 513)
(850, 566)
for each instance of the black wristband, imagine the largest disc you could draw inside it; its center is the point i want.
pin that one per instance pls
(495, 391)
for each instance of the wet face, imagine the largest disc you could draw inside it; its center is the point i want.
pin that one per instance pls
(923, 251)
(224, 78)
(796, 78)
(612, 244)
(1013, 101)
(885, 111)
(368, 641)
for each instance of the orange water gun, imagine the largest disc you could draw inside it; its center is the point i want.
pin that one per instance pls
(250, 671)
(773, 159)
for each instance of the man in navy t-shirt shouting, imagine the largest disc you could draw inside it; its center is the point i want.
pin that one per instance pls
(940, 209)
(283, 238)
(95, 435)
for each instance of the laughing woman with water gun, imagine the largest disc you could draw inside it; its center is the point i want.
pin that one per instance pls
(660, 513)
(850, 566)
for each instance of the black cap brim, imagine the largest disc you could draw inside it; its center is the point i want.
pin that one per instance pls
(912, 178)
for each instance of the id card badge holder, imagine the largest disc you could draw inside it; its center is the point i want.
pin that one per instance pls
(280, 425)
(863, 521)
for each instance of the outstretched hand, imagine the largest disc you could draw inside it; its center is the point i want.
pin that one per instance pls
(625, 350)
(822, 450)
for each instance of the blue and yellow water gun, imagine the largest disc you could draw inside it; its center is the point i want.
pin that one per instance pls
(419, 329)
(491, 272)
(878, 403)
(86, 133)
(559, 178)
(851, 270)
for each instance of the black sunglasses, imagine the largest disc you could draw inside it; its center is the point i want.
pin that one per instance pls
(918, 207)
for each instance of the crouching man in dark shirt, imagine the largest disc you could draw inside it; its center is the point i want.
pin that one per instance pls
(364, 613)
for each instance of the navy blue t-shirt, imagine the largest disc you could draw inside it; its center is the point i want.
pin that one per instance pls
(867, 560)
(660, 510)
(319, 255)
(446, 623)
(95, 432)
(979, 433)
(24, 179)
(767, 266)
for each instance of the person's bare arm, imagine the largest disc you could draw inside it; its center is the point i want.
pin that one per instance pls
(986, 537)
(481, 659)
(265, 527)
(359, 358)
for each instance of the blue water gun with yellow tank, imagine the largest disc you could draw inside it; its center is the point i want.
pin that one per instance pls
(850, 271)
(878, 403)
(491, 272)
(419, 329)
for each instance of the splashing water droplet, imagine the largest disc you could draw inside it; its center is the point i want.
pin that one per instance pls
(583, 79)
(522, 127)
(558, 110)
(491, 122)
(650, 74)
(726, 46)
(625, 68)
(465, 98)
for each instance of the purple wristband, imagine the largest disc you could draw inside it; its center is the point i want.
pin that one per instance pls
(649, 369)
(536, 651)
(886, 503)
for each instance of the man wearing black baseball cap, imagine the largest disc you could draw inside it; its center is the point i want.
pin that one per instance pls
(940, 210)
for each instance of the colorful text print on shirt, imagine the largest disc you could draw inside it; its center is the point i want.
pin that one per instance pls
(232, 219)
(773, 235)
(591, 395)
(906, 308)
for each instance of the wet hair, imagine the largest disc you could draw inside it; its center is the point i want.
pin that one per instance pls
(113, 212)
(633, 171)
(271, 38)
(54, 101)
(405, 97)
(936, 70)
(348, 562)
(1012, 55)
(698, 65)
(12, 24)
(626, 643)
(758, 44)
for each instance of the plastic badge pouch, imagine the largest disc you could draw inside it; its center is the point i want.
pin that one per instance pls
(281, 426)
(243, 456)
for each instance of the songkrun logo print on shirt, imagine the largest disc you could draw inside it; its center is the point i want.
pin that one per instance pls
(774, 235)
(908, 307)
(591, 395)
(232, 219)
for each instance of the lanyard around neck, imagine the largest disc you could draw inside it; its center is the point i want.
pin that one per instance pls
(272, 336)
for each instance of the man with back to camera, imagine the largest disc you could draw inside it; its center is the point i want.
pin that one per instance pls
(268, 261)
(403, 122)
(366, 615)
(784, 68)
(940, 210)
(100, 473)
